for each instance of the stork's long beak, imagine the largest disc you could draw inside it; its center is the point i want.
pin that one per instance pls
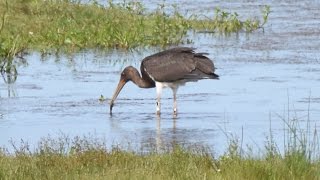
(121, 83)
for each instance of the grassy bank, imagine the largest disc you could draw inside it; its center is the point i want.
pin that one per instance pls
(69, 25)
(88, 158)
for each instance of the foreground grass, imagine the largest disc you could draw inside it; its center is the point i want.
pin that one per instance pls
(88, 158)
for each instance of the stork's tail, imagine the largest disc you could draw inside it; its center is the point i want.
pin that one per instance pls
(214, 76)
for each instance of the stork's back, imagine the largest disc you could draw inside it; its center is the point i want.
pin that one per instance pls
(177, 64)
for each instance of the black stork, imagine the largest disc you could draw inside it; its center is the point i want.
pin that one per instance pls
(170, 68)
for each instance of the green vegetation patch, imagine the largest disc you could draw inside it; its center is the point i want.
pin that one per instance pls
(88, 158)
(53, 26)
(69, 25)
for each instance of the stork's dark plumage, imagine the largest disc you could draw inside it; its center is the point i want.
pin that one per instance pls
(169, 68)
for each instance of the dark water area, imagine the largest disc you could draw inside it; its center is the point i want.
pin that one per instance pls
(265, 77)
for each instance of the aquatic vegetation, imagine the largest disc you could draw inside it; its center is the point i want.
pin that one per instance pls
(102, 98)
(67, 26)
(226, 22)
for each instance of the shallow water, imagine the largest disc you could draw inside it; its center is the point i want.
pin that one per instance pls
(265, 76)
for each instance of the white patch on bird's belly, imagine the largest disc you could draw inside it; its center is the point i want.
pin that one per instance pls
(172, 85)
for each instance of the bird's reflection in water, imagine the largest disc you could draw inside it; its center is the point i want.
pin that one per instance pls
(161, 143)
(11, 91)
(9, 76)
(158, 134)
(161, 137)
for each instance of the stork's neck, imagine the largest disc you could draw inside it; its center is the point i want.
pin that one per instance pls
(142, 82)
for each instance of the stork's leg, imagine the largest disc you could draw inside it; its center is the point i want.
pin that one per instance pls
(175, 108)
(159, 87)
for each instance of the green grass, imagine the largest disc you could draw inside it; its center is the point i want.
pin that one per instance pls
(88, 157)
(68, 25)
(179, 163)
(54, 26)
(229, 22)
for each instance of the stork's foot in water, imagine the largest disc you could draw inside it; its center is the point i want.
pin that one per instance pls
(158, 108)
(175, 112)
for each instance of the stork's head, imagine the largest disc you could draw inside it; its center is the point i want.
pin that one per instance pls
(126, 75)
